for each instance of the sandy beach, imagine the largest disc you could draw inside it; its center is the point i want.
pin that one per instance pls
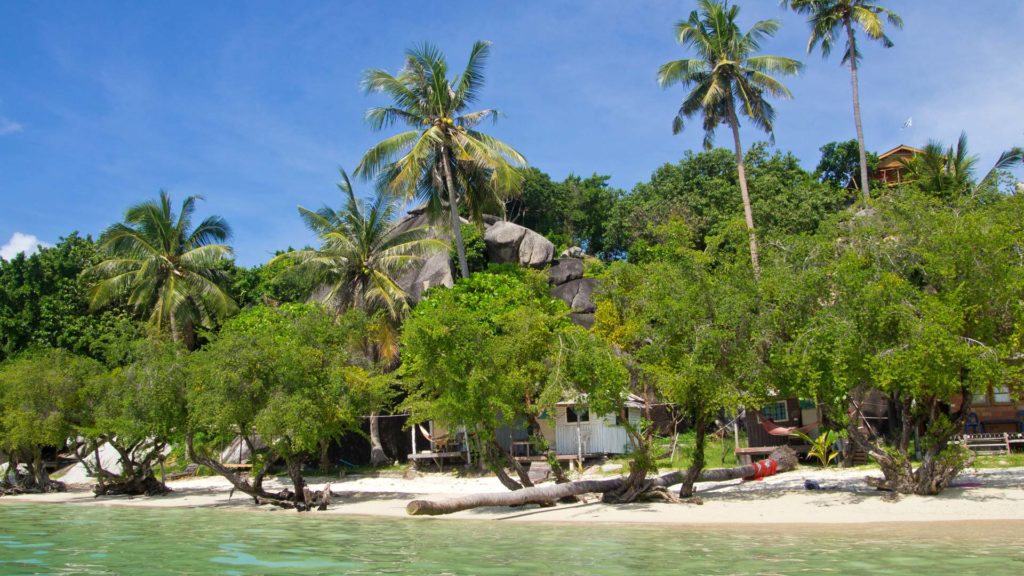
(980, 495)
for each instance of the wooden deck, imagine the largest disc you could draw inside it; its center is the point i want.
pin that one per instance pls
(746, 455)
(560, 457)
(438, 458)
(990, 443)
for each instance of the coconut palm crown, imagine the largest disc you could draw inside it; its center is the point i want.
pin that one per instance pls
(830, 18)
(166, 269)
(725, 76)
(362, 253)
(949, 172)
(443, 158)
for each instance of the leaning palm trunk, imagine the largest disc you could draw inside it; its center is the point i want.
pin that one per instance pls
(741, 170)
(784, 458)
(453, 207)
(377, 455)
(856, 113)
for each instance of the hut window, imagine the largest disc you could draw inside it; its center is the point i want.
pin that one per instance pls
(1001, 395)
(979, 398)
(571, 415)
(777, 411)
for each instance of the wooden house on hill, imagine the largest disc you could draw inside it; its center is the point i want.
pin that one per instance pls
(891, 170)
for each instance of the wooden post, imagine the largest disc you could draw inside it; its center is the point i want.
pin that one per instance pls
(579, 442)
(412, 432)
(736, 429)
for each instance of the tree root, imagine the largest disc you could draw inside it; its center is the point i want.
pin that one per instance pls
(20, 487)
(148, 486)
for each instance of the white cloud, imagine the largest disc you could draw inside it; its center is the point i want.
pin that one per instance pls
(19, 242)
(9, 126)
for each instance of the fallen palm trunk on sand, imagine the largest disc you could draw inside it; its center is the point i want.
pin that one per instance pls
(780, 460)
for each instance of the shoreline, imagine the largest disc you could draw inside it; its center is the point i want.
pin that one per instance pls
(985, 497)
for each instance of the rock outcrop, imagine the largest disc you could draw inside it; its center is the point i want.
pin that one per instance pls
(569, 285)
(436, 270)
(506, 243)
(564, 270)
(512, 243)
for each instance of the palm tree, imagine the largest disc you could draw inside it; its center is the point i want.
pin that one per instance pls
(726, 74)
(166, 269)
(443, 157)
(949, 172)
(828, 19)
(362, 255)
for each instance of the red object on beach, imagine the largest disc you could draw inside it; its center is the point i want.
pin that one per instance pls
(764, 468)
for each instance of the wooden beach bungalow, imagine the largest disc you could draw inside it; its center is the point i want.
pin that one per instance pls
(891, 171)
(573, 431)
(576, 431)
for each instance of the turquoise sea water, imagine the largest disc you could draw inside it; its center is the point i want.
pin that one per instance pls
(63, 539)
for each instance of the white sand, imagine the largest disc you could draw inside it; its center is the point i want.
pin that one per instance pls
(778, 500)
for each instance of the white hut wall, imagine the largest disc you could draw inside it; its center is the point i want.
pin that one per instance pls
(598, 435)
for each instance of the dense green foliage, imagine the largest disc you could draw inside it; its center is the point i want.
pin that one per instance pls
(915, 298)
(687, 322)
(700, 191)
(40, 401)
(281, 374)
(497, 350)
(840, 164)
(573, 212)
(277, 281)
(44, 302)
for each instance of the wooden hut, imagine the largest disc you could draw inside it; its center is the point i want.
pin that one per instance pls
(576, 431)
(891, 171)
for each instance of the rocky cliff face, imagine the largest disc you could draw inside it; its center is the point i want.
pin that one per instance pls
(508, 243)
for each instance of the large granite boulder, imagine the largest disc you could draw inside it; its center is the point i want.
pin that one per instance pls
(436, 269)
(511, 243)
(578, 294)
(564, 270)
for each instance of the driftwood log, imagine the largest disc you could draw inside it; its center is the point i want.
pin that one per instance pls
(783, 457)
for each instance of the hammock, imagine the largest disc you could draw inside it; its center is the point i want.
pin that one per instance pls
(441, 440)
(775, 430)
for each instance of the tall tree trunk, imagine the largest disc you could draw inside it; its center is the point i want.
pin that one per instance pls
(865, 192)
(453, 207)
(294, 464)
(377, 455)
(693, 472)
(784, 457)
(741, 170)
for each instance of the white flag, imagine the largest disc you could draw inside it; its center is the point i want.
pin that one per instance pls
(909, 123)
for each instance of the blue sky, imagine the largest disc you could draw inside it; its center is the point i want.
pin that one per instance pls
(255, 105)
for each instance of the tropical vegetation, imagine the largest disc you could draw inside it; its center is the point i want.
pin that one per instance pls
(153, 343)
(728, 74)
(444, 159)
(828, 20)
